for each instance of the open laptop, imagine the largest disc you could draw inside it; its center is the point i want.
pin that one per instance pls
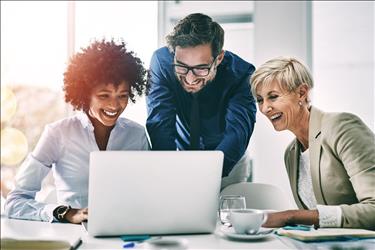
(153, 192)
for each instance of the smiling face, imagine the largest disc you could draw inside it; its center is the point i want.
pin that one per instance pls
(107, 102)
(284, 109)
(196, 57)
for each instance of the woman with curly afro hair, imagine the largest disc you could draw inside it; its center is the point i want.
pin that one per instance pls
(98, 82)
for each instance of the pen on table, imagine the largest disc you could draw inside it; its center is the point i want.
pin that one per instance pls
(129, 245)
(299, 227)
(133, 244)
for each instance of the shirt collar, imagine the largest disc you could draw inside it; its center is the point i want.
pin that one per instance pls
(85, 121)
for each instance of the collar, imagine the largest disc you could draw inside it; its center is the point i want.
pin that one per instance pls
(85, 121)
(315, 123)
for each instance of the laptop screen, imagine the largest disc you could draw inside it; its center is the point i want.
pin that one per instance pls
(154, 192)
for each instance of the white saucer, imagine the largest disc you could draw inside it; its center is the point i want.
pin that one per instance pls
(230, 233)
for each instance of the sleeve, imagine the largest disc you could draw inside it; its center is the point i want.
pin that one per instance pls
(161, 109)
(240, 119)
(329, 216)
(21, 203)
(354, 143)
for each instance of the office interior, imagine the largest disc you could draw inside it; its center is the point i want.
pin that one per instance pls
(334, 38)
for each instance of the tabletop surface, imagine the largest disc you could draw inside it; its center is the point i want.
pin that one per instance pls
(45, 230)
(24, 229)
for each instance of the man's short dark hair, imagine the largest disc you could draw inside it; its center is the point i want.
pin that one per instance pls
(102, 62)
(197, 29)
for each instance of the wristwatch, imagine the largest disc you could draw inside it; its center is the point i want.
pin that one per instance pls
(60, 212)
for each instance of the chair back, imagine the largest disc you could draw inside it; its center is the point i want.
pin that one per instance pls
(259, 195)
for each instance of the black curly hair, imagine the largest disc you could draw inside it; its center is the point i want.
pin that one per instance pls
(196, 29)
(102, 62)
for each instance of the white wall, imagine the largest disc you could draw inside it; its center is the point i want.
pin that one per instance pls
(280, 28)
(343, 58)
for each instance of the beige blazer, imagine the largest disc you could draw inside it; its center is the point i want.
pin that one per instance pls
(342, 163)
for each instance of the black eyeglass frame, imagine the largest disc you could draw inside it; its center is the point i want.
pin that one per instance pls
(188, 68)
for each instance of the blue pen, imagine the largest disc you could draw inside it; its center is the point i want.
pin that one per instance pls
(133, 244)
(129, 245)
(299, 227)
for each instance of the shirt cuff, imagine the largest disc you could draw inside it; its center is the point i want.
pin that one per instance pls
(329, 216)
(47, 213)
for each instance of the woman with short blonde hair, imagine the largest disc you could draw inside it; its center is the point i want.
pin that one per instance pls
(330, 163)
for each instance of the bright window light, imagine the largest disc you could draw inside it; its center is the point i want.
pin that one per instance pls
(133, 21)
(33, 43)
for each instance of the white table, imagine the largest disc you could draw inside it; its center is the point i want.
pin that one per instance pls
(45, 230)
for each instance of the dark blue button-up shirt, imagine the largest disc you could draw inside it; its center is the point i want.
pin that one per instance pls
(227, 108)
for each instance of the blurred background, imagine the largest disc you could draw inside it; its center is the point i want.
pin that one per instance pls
(335, 39)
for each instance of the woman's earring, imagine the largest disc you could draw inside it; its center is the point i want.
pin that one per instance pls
(300, 103)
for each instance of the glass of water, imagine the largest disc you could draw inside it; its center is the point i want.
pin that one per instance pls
(228, 202)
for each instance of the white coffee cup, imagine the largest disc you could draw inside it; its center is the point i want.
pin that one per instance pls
(247, 221)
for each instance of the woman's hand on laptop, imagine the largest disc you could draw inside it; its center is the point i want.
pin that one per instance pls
(76, 216)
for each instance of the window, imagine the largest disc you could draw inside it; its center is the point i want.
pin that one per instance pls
(37, 38)
(33, 57)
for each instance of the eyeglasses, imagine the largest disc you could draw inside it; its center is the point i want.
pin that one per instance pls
(197, 71)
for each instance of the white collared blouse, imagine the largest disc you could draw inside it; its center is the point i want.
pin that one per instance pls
(64, 148)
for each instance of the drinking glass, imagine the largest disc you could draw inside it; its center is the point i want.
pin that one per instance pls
(227, 203)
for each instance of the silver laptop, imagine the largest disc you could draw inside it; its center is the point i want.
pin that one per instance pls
(153, 192)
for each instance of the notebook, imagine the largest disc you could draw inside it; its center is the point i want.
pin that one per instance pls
(22, 234)
(153, 192)
(36, 244)
(323, 234)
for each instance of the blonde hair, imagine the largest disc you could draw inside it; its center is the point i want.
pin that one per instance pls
(287, 71)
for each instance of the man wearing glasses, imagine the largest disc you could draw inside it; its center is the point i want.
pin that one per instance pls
(200, 97)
